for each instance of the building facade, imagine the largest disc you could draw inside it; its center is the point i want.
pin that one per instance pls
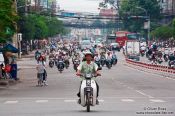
(167, 7)
(39, 5)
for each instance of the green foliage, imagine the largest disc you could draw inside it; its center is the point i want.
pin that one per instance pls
(174, 28)
(163, 32)
(8, 18)
(131, 8)
(35, 26)
(21, 7)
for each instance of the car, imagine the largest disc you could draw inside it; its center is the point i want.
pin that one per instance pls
(115, 46)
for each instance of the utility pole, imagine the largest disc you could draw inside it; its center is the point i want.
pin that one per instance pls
(14, 38)
(26, 7)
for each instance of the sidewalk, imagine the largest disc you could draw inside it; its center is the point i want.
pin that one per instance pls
(26, 62)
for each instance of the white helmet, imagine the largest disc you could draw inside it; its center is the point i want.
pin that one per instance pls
(87, 53)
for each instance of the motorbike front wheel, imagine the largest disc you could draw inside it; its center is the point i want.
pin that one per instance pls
(88, 102)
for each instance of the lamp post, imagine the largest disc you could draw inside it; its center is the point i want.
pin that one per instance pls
(148, 23)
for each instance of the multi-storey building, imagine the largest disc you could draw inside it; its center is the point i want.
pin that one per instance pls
(39, 5)
(167, 7)
(168, 10)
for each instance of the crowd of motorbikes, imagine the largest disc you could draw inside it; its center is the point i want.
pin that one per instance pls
(158, 56)
(60, 57)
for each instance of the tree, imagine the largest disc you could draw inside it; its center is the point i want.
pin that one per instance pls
(174, 28)
(8, 18)
(162, 33)
(128, 8)
(34, 26)
(133, 8)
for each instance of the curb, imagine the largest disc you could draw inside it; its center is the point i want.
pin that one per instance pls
(30, 56)
(4, 83)
(156, 69)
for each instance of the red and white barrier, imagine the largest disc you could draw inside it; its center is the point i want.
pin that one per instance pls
(163, 70)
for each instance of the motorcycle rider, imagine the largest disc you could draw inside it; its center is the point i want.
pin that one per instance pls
(166, 54)
(114, 57)
(66, 59)
(75, 57)
(109, 57)
(88, 66)
(37, 55)
(97, 59)
(171, 58)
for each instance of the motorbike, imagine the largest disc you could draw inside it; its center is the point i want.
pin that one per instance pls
(76, 64)
(165, 56)
(88, 92)
(108, 64)
(142, 52)
(51, 63)
(97, 61)
(159, 60)
(37, 57)
(60, 65)
(103, 61)
(172, 64)
(66, 63)
(114, 60)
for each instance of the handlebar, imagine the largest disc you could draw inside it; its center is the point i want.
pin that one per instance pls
(92, 75)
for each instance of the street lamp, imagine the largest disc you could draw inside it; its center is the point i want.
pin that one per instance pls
(148, 23)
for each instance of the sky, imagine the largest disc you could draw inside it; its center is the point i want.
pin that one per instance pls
(80, 5)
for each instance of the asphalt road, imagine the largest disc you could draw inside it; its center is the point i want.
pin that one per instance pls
(124, 91)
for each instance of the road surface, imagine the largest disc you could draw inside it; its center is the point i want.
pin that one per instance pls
(124, 91)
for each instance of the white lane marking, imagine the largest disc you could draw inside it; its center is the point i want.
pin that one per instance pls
(73, 100)
(70, 100)
(157, 100)
(127, 100)
(144, 94)
(41, 101)
(130, 88)
(11, 102)
(101, 100)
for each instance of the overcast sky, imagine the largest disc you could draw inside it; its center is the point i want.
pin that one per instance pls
(80, 5)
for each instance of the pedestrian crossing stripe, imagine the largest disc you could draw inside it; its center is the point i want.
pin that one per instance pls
(75, 100)
(11, 102)
(157, 100)
(127, 100)
(41, 101)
